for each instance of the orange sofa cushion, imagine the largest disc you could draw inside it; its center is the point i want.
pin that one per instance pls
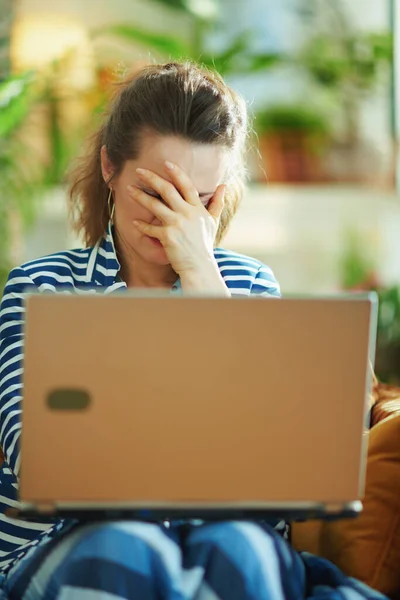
(368, 547)
(386, 402)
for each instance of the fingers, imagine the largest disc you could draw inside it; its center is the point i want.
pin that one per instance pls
(155, 231)
(163, 188)
(183, 183)
(217, 202)
(177, 193)
(157, 208)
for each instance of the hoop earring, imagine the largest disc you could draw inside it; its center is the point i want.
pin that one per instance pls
(111, 209)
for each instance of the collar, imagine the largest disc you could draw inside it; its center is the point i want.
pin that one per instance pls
(104, 266)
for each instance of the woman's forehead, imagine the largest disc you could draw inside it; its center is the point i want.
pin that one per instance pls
(206, 164)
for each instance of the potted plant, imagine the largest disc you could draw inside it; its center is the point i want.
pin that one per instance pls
(358, 273)
(346, 65)
(292, 141)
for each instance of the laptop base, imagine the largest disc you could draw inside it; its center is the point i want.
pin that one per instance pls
(108, 512)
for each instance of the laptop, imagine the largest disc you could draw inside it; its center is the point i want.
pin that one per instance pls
(160, 407)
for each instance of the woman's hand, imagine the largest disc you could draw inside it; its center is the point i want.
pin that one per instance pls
(187, 231)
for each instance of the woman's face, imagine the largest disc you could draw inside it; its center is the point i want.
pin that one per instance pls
(206, 165)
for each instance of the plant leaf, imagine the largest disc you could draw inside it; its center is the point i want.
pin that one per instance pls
(167, 45)
(15, 102)
(262, 62)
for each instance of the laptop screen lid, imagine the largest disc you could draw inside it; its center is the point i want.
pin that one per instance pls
(194, 403)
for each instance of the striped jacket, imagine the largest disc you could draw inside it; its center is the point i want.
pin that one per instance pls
(91, 269)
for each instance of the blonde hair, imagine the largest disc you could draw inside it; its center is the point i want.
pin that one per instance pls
(180, 99)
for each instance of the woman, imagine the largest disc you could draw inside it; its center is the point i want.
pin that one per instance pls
(152, 197)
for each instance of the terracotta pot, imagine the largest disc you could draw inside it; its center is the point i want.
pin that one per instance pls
(290, 157)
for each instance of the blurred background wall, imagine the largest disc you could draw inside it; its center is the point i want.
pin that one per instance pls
(321, 80)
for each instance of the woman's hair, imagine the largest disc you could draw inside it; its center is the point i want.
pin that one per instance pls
(180, 99)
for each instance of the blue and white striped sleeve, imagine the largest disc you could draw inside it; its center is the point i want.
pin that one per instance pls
(12, 312)
(265, 283)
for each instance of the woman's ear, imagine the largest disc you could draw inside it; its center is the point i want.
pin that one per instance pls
(107, 168)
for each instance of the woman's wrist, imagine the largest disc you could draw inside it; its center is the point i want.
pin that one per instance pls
(206, 279)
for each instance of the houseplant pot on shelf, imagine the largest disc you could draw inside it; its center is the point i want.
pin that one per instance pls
(292, 142)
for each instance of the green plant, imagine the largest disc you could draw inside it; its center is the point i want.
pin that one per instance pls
(16, 177)
(344, 62)
(238, 57)
(358, 272)
(357, 268)
(26, 172)
(387, 362)
(291, 118)
(389, 316)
